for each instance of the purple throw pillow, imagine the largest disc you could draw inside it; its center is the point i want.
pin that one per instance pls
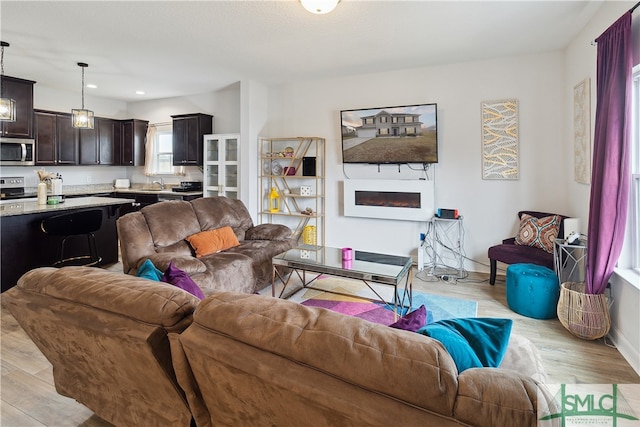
(412, 321)
(182, 280)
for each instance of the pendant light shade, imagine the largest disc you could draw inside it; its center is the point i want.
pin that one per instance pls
(319, 7)
(7, 105)
(82, 119)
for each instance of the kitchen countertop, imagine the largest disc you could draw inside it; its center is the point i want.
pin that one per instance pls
(74, 192)
(31, 206)
(166, 192)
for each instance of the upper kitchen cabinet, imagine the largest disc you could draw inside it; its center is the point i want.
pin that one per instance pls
(21, 91)
(56, 139)
(102, 144)
(134, 134)
(188, 136)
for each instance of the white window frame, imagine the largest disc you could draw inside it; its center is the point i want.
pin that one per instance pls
(168, 130)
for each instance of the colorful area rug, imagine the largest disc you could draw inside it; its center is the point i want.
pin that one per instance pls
(438, 307)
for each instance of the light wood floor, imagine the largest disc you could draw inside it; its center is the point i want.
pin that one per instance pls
(29, 397)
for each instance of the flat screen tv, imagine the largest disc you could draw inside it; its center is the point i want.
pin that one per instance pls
(403, 134)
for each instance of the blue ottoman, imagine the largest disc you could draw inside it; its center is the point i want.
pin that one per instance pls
(532, 290)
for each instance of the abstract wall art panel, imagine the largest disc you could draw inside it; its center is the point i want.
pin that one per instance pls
(582, 132)
(500, 140)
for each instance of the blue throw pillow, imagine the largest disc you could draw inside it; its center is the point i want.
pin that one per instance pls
(472, 342)
(149, 271)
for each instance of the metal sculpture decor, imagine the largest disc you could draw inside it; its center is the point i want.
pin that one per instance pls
(500, 140)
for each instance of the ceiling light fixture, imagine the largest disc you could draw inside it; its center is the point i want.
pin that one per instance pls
(319, 7)
(82, 119)
(7, 105)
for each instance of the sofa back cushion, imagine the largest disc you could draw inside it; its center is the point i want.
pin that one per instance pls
(169, 223)
(217, 212)
(319, 350)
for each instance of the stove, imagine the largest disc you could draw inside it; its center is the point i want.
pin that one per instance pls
(12, 187)
(186, 186)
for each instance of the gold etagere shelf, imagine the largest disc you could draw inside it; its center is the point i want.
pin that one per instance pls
(294, 168)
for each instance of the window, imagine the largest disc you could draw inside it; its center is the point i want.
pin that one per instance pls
(159, 151)
(634, 199)
(164, 151)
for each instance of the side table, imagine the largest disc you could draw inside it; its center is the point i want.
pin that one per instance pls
(570, 260)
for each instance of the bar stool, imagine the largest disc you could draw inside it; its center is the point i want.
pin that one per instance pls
(75, 224)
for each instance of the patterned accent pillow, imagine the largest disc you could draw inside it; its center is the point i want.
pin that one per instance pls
(538, 232)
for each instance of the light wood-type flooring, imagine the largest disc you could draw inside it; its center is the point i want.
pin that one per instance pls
(29, 397)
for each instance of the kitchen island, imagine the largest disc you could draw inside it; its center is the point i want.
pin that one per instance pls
(25, 246)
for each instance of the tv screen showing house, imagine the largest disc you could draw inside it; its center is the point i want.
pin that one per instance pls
(402, 134)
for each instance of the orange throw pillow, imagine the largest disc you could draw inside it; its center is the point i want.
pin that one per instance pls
(212, 241)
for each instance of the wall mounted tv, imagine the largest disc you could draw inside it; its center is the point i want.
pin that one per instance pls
(403, 134)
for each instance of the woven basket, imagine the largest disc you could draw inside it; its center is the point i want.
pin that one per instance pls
(584, 315)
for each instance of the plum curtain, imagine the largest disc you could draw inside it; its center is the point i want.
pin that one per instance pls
(611, 158)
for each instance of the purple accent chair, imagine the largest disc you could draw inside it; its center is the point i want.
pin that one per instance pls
(510, 253)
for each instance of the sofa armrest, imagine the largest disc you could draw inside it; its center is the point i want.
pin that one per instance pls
(268, 232)
(188, 264)
(491, 397)
(509, 241)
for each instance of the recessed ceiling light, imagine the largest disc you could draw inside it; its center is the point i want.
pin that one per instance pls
(139, 92)
(91, 86)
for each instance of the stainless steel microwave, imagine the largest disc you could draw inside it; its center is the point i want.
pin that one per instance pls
(17, 152)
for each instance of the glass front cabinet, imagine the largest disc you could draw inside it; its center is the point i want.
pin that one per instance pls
(221, 165)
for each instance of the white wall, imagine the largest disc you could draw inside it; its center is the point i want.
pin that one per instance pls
(580, 63)
(223, 105)
(489, 207)
(47, 98)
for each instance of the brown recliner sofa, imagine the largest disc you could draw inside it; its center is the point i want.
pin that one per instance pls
(107, 336)
(135, 352)
(157, 232)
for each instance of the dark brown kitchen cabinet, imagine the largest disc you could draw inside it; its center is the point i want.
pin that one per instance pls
(21, 91)
(134, 135)
(56, 139)
(188, 133)
(101, 145)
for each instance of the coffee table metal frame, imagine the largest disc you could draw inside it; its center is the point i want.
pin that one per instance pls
(367, 267)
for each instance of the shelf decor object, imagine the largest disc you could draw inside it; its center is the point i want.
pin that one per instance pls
(500, 140)
(7, 105)
(582, 132)
(274, 200)
(81, 118)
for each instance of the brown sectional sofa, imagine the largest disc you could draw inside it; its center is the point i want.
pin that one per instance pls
(157, 232)
(136, 353)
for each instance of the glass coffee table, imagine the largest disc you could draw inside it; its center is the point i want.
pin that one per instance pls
(369, 267)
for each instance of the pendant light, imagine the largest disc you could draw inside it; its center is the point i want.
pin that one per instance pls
(82, 119)
(7, 105)
(319, 7)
